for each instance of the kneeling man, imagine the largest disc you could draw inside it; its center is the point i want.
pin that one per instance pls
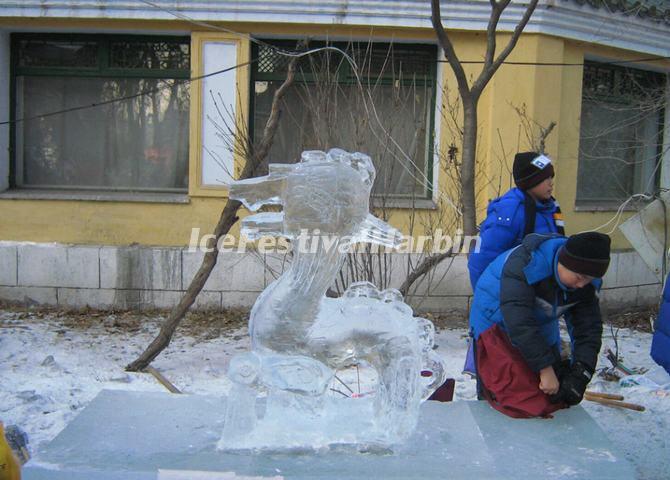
(514, 318)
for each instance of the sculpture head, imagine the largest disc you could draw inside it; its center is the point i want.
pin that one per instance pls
(324, 192)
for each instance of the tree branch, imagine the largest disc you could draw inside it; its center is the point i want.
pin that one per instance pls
(489, 70)
(422, 269)
(448, 48)
(496, 11)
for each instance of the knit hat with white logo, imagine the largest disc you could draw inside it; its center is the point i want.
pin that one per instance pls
(531, 168)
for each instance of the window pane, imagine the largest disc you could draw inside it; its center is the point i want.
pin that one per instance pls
(48, 53)
(375, 61)
(317, 116)
(150, 55)
(387, 118)
(140, 143)
(620, 132)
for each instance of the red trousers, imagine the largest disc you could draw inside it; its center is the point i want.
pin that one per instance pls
(507, 382)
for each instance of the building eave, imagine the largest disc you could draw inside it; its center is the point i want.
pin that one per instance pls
(553, 17)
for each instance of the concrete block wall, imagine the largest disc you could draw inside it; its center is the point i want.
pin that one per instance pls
(131, 277)
(139, 277)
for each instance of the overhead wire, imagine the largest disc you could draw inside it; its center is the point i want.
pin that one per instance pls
(289, 53)
(425, 181)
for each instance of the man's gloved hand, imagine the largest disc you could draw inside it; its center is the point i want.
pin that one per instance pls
(573, 385)
(562, 368)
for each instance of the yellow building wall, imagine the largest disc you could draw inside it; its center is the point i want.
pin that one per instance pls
(547, 93)
(580, 219)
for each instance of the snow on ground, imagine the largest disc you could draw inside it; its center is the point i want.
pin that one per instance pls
(49, 372)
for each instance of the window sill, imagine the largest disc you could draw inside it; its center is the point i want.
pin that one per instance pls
(404, 203)
(80, 195)
(606, 207)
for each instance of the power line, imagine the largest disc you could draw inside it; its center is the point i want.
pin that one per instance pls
(285, 53)
(289, 53)
(300, 54)
(128, 97)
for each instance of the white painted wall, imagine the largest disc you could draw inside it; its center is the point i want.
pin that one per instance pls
(4, 110)
(217, 157)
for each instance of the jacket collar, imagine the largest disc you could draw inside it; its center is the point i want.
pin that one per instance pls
(544, 259)
(543, 252)
(539, 206)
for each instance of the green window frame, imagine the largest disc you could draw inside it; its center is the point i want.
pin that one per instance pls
(621, 133)
(378, 62)
(104, 65)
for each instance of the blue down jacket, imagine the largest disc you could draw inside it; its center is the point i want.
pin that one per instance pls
(660, 343)
(504, 228)
(521, 292)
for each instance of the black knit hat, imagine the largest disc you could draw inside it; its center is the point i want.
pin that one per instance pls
(531, 168)
(587, 253)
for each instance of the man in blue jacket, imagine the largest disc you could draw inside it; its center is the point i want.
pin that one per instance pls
(527, 208)
(660, 344)
(514, 317)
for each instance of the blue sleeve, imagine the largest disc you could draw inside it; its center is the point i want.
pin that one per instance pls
(499, 233)
(585, 327)
(517, 303)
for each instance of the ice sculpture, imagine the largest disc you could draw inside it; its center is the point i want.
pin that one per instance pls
(300, 338)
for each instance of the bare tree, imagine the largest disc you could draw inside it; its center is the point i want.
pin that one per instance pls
(471, 93)
(326, 111)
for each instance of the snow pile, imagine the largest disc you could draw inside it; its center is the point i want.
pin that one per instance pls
(50, 372)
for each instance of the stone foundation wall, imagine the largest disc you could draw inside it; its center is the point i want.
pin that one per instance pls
(142, 278)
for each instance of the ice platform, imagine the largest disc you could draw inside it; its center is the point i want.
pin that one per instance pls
(156, 436)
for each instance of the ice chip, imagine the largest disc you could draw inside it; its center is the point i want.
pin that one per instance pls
(362, 289)
(392, 295)
(313, 156)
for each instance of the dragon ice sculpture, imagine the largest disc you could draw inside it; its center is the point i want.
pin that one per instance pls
(300, 338)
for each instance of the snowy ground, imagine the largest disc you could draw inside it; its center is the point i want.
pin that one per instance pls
(50, 368)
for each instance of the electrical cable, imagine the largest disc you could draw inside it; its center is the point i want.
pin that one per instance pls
(127, 97)
(426, 182)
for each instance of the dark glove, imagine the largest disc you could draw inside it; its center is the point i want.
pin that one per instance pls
(573, 385)
(562, 368)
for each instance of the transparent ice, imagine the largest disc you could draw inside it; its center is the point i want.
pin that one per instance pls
(300, 339)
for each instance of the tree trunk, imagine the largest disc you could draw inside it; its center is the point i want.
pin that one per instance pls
(422, 269)
(468, 169)
(226, 221)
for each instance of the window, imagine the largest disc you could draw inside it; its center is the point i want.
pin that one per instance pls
(101, 112)
(621, 133)
(326, 108)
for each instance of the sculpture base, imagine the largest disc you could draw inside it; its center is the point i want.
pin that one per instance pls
(140, 435)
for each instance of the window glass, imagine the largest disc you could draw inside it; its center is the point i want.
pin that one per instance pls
(139, 143)
(389, 118)
(620, 132)
(90, 126)
(150, 55)
(49, 53)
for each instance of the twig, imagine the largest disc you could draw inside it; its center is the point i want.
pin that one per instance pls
(614, 403)
(608, 396)
(164, 381)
